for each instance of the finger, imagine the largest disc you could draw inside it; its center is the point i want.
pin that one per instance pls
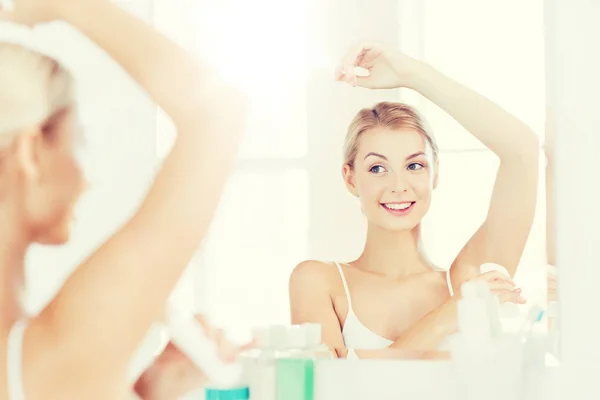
(495, 275)
(339, 73)
(227, 351)
(510, 297)
(352, 55)
(503, 285)
(203, 322)
(248, 346)
(358, 54)
(172, 353)
(349, 74)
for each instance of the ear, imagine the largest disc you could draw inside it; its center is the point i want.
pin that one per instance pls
(27, 145)
(348, 175)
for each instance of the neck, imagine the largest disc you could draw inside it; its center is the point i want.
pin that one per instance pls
(394, 254)
(13, 248)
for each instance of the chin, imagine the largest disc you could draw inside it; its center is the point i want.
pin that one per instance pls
(399, 227)
(55, 240)
(57, 236)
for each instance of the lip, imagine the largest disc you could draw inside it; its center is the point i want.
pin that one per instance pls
(402, 212)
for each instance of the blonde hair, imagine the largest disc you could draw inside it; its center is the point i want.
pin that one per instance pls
(35, 90)
(388, 115)
(393, 116)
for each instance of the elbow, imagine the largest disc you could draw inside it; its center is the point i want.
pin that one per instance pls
(525, 151)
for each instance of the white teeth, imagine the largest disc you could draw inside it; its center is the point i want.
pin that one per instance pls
(398, 206)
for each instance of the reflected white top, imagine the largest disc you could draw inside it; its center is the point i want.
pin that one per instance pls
(14, 366)
(356, 335)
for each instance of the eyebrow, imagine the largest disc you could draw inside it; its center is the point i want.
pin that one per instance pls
(410, 157)
(415, 155)
(376, 155)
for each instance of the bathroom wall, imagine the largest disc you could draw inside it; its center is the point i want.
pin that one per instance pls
(573, 63)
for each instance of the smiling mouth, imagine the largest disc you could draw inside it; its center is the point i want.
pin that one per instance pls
(398, 208)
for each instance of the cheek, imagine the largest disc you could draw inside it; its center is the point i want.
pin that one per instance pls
(67, 181)
(422, 185)
(370, 188)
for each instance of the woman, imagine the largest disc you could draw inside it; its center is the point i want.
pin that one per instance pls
(80, 345)
(391, 296)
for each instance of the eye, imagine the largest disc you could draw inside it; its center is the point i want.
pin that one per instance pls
(415, 166)
(377, 169)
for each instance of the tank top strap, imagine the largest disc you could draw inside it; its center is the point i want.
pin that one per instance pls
(450, 289)
(346, 290)
(14, 366)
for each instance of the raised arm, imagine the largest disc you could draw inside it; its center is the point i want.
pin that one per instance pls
(96, 321)
(310, 301)
(504, 233)
(502, 237)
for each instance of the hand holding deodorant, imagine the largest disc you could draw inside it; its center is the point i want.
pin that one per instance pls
(190, 337)
(507, 310)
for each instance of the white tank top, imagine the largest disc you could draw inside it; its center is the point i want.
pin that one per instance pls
(14, 361)
(356, 335)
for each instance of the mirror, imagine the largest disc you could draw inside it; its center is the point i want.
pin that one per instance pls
(287, 201)
(289, 173)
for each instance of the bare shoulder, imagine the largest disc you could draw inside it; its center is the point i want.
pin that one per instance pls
(317, 274)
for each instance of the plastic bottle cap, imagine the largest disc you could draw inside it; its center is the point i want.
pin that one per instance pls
(261, 337)
(241, 393)
(489, 267)
(278, 336)
(297, 337)
(313, 334)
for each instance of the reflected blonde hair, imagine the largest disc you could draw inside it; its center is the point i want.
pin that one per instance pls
(35, 90)
(387, 115)
(390, 115)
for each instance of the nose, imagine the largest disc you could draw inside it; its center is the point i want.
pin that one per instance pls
(398, 183)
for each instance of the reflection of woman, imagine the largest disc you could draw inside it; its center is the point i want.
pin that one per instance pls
(391, 296)
(80, 345)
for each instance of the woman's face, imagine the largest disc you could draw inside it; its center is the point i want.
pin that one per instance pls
(394, 176)
(52, 190)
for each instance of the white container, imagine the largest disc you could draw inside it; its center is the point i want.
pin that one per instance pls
(473, 312)
(188, 335)
(508, 311)
(486, 366)
(260, 363)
